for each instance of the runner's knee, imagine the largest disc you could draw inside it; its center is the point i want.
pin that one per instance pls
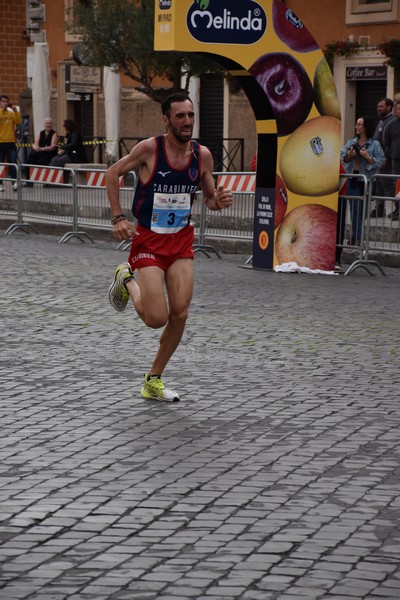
(179, 317)
(155, 321)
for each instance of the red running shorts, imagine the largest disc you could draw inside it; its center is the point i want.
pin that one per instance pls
(151, 249)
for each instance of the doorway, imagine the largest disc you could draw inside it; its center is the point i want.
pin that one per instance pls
(367, 95)
(212, 116)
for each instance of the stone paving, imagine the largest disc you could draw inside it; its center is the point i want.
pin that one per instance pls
(276, 477)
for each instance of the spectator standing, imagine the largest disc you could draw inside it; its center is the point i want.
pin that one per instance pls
(45, 145)
(361, 154)
(391, 143)
(72, 150)
(9, 119)
(383, 187)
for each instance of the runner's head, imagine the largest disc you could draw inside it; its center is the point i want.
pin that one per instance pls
(178, 116)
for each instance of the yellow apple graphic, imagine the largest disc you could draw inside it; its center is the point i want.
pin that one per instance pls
(325, 94)
(309, 160)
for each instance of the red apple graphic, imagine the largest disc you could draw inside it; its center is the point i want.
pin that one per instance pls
(281, 201)
(288, 88)
(290, 29)
(307, 236)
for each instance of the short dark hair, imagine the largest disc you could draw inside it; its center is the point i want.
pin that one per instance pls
(70, 125)
(177, 97)
(387, 101)
(4, 96)
(369, 125)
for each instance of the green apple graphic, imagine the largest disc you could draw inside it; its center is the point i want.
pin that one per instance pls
(203, 4)
(325, 95)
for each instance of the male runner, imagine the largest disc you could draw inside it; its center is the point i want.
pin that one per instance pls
(170, 168)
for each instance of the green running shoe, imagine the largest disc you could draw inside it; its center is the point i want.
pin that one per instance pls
(117, 293)
(154, 389)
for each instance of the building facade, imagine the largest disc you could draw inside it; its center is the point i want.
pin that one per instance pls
(13, 45)
(361, 77)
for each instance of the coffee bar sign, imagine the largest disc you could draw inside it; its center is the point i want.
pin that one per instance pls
(365, 73)
(82, 79)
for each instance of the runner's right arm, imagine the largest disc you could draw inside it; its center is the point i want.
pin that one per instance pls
(140, 159)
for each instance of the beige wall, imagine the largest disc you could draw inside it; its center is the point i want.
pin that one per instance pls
(140, 116)
(242, 124)
(323, 18)
(326, 20)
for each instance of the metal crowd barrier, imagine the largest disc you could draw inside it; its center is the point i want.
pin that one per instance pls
(384, 231)
(74, 197)
(10, 198)
(237, 222)
(234, 223)
(378, 233)
(77, 198)
(351, 223)
(91, 197)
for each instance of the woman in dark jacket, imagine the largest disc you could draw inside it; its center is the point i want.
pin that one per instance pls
(72, 150)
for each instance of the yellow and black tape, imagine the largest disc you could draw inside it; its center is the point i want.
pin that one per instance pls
(87, 143)
(95, 142)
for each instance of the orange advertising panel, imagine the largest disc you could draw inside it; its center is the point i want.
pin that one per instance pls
(283, 72)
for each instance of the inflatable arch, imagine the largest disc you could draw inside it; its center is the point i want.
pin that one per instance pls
(288, 83)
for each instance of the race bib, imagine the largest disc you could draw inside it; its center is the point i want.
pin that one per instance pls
(171, 212)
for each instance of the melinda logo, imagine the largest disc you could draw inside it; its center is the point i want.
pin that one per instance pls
(226, 21)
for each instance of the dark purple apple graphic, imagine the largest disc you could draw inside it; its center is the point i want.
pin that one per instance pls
(290, 29)
(288, 88)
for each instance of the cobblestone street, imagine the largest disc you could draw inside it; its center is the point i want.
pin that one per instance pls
(277, 476)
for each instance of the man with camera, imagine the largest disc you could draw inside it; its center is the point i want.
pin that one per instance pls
(9, 119)
(391, 142)
(383, 187)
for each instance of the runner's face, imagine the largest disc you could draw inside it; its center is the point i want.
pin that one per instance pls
(181, 120)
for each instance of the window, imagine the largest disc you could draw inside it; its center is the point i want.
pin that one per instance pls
(69, 17)
(371, 11)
